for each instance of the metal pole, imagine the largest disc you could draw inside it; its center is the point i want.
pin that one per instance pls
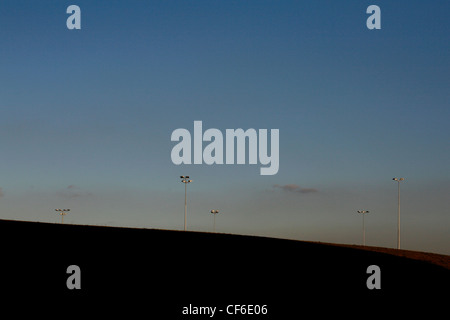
(398, 218)
(185, 181)
(62, 212)
(214, 212)
(363, 212)
(398, 222)
(185, 204)
(364, 232)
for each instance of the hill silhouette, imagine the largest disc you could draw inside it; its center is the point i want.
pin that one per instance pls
(160, 271)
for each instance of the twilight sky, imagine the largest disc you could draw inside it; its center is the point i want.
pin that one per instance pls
(87, 116)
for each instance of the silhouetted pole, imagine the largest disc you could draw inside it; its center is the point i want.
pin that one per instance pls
(214, 212)
(62, 212)
(364, 228)
(398, 217)
(185, 181)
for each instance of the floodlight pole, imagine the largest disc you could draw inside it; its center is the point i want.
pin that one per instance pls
(214, 212)
(185, 204)
(62, 212)
(364, 228)
(185, 181)
(398, 218)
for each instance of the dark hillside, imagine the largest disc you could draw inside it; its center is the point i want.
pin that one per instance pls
(160, 272)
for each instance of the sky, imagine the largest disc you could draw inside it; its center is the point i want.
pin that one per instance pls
(87, 116)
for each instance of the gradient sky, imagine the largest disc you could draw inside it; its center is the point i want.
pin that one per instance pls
(87, 115)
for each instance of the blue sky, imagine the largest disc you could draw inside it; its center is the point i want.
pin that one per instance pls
(87, 115)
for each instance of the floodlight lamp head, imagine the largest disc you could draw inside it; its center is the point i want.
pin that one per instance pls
(189, 180)
(182, 177)
(187, 177)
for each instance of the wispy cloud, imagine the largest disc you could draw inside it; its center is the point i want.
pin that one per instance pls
(295, 188)
(73, 191)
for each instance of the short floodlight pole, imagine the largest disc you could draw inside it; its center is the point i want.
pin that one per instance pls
(185, 180)
(62, 212)
(363, 212)
(214, 212)
(398, 215)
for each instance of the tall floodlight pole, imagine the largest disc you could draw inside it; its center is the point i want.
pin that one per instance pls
(185, 180)
(62, 212)
(214, 212)
(363, 212)
(398, 221)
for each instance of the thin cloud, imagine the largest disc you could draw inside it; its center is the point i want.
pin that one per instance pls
(72, 192)
(295, 188)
